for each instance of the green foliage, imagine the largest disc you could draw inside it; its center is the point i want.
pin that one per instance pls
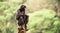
(58, 0)
(8, 10)
(2, 0)
(38, 21)
(45, 21)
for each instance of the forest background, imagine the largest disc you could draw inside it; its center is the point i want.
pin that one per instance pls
(41, 15)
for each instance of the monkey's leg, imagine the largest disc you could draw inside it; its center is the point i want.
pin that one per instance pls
(26, 27)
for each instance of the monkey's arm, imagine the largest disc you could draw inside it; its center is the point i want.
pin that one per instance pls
(17, 15)
(26, 19)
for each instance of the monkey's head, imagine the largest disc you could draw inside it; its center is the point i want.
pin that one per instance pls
(23, 6)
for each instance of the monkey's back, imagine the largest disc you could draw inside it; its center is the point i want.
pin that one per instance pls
(23, 19)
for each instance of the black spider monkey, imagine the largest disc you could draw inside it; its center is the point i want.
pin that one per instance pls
(21, 16)
(20, 11)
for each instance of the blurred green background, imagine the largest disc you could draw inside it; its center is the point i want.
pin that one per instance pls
(41, 15)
